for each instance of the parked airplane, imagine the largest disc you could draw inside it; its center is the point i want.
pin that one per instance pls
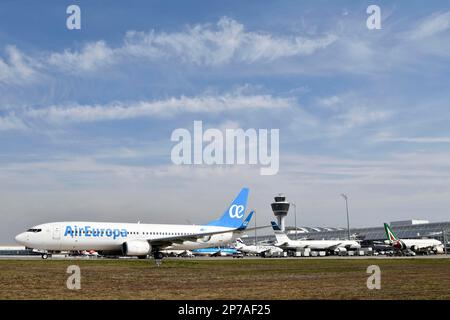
(415, 245)
(137, 239)
(178, 253)
(88, 253)
(255, 249)
(284, 242)
(215, 252)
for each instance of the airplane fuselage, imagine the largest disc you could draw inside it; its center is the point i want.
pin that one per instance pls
(322, 244)
(107, 236)
(257, 249)
(418, 244)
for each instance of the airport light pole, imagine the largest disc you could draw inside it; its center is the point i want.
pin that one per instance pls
(295, 219)
(444, 240)
(346, 206)
(255, 225)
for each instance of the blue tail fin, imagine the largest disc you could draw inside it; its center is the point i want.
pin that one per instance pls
(275, 227)
(233, 217)
(246, 221)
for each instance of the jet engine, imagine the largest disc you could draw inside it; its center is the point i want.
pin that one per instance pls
(136, 248)
(438, 250)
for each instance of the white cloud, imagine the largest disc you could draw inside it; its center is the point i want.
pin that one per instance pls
(432, 25)
(391, 169)
(363, 116)
(11, 122)
(17, 68)
(349, 111)
(92, 56)
(385, 137)
(201, 44)
(228, 42)
(160, 108)
(332, 102)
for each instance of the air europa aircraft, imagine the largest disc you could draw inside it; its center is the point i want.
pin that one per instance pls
(137, 239)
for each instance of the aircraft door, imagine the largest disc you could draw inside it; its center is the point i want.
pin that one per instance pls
(56, 232)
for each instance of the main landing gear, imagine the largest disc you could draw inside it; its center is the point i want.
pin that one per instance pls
(158, 256)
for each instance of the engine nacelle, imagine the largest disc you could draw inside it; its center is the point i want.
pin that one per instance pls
(136, 248)
(439, 250)
(414, 248)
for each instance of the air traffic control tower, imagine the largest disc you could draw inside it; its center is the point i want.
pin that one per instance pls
(280, 209)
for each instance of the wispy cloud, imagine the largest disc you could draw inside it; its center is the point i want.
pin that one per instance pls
(17, 68)
(206, 103)
(431, 25)
(384, 137)
(348, 111)
(204, 44)
(92, 56)
(201, 44)
(11, 122)
(363, 116)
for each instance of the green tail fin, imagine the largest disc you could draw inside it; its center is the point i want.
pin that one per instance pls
(390, 234)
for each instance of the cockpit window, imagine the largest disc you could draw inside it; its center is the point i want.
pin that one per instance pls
(34, 230)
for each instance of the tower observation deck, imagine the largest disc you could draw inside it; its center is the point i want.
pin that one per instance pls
(280, 209)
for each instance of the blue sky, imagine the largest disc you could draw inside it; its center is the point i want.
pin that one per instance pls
(86, 115)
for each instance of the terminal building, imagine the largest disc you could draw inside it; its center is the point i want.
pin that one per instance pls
(403, 229)
(368, 235)
(16, 251)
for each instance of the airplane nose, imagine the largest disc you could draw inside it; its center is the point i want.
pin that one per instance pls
(20, 238)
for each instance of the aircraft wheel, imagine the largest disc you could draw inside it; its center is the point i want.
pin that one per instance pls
(158, 255)
(44, 256)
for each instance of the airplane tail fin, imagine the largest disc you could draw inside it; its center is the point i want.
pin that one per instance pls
(233, 217)
(246, 221)
(279, 234)
(390, 234)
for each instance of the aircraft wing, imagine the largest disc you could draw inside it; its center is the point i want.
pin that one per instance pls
(282, 244)
(216, 254)
(168, 241)
(254, 228)
(333, 247)
(264, 250)
(179, 239)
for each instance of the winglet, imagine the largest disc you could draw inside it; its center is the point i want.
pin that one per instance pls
(246, 221)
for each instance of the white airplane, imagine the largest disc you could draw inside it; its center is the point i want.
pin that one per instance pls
(178, 253)
(137, 239)
(215, 252)
(415, 245)
(284, 242)
(255, 249)
(89, 253)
